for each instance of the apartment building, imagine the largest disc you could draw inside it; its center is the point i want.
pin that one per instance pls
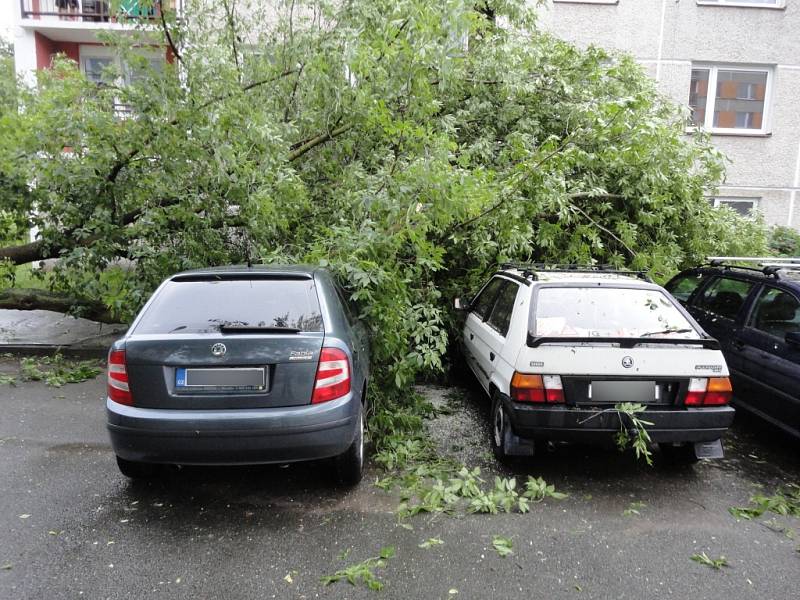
(734, 63)
(44, 28)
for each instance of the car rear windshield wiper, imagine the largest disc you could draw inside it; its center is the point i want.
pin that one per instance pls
(665, 331)
(241, 328)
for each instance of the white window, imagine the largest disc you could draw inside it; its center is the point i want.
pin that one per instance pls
(744, 206)
(730, 99)
(103, 67)
(750, 3)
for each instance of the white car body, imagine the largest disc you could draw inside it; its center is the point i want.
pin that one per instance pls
(680, 356)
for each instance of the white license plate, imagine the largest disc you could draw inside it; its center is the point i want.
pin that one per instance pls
(221, 379)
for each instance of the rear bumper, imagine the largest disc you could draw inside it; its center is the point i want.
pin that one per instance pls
(586, 425)
(229, 437)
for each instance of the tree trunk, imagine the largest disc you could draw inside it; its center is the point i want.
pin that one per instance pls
(33, 299)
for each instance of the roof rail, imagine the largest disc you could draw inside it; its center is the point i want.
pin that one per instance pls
(768, 265)
(531, 269)
(721, 260)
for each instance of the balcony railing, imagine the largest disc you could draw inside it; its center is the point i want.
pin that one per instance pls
(90, 10)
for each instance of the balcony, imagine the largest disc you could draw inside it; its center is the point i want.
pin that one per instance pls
(90, 11)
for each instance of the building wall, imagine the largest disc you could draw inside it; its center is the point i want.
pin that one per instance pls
(668, 36)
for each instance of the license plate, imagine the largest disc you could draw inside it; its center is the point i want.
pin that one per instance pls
(235, 379)
(623, 391)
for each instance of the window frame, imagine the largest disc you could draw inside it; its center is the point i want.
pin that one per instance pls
(718, 201)
(508, 284)
(749, 320)
(743, 312)
(779, 4)
(711, 99)
(607, 2)
(490, 307)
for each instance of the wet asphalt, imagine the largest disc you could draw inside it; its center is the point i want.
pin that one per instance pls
(72, 527)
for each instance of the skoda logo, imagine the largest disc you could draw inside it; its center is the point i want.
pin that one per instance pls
(627, 362)
(218, 349)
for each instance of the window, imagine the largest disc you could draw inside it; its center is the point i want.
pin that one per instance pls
(485, 299)
(96, 69)
(731, 99)
(743, 206)
(202, 306)
(606, 312)
(500, 318)
(586, 1)
(753, 3)
(776, 313)
(725, 297)
(684, 286)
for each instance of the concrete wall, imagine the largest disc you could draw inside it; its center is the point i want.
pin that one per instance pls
(667, 36)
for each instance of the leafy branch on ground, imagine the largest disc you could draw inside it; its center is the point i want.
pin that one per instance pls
(56, 371)
(634, 508)
(783, 502)
(363, 571)
(503, 545)
(714, 563)
(431, 542)
(428, 483)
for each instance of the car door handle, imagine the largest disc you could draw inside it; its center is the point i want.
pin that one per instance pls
(471, 336)
(491, 355)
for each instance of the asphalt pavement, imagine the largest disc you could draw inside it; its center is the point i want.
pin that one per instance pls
(72, 527)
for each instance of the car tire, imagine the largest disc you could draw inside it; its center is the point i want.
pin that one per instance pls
(350, 465)
(136, 470)
(682, 454)
(497, 433)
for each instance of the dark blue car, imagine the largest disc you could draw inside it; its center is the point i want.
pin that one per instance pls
(240, 365)
(754, 312)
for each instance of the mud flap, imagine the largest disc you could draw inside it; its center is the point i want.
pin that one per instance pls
(517, 446)
(708, 449)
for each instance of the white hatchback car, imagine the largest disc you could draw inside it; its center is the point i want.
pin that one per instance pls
(553, 347)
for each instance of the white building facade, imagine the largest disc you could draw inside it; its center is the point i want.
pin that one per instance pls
(735, 63)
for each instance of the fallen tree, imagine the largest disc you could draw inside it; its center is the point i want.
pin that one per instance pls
(409, 146)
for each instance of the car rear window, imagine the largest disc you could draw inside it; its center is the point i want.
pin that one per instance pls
(202, 306)
(607, 312)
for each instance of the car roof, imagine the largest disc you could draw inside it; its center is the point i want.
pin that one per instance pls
(307, 271)
(610, 279)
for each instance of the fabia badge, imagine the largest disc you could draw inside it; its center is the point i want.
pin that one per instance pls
(218, 349)
(627, 362)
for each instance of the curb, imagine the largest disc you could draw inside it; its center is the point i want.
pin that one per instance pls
(49, 349)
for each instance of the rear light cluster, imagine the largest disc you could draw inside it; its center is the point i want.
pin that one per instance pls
(333, 376)
(715, 391)
(537, 388)
(118, 389)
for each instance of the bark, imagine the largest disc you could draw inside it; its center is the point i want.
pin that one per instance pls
(33, 299)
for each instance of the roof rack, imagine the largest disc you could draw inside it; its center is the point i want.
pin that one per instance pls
(531, 269)
(769, 265)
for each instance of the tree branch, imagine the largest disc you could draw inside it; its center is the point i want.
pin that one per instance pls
(171, 43)
(312, 143)
(601, 228)
(34, 299)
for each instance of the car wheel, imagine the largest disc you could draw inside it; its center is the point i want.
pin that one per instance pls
(681, 454)
(498, 429)
(350, 465)
(137, 470)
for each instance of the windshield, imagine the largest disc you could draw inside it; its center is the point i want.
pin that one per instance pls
(208, 306)
(606, 312)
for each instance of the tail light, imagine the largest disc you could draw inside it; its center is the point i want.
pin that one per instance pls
(716, 391)
(538, 389)
(118, 389)
(333, 376)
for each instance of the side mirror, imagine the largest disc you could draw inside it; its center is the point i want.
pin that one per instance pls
(793, 338)
(460, 304)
